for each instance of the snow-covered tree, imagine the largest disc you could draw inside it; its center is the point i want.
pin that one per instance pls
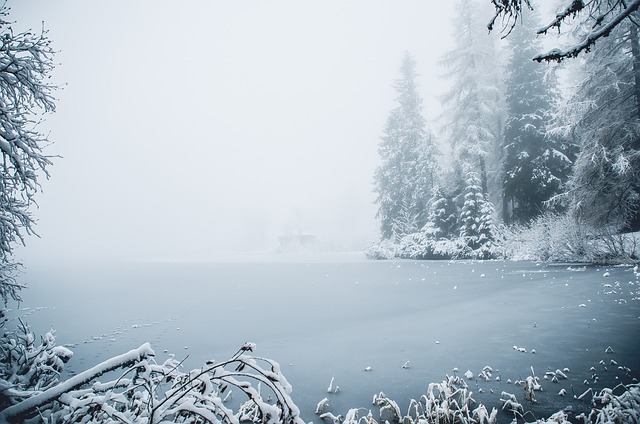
(535, 165)
(603, 115)
(408, 171)
(443, 216)
(473, 112)
(601, 17)
(406, 221)
(26, 61)
(476, 220)
(438, 238)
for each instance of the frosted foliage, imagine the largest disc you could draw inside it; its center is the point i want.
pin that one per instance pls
(560, 237)
(26, 60)
(28, 365)
(603, 117)
(148, 391)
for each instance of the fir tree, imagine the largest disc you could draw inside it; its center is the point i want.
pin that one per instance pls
(536, 166)
(443, 217)
(476, 220)
(603, 116)
(474, 106)
(408, 170)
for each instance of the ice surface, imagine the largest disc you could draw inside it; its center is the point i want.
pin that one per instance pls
(310, 316)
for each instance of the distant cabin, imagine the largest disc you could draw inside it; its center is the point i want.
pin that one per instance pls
(296, 241)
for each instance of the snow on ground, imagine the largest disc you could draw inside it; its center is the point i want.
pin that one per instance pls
(327, 318)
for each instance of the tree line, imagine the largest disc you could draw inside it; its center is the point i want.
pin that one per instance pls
(519, 144)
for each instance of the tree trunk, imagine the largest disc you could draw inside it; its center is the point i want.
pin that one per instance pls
(635, 52)
(634, 220)
(483, 176)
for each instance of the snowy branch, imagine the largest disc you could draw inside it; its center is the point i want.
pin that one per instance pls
(26, 61)
(16, 411)
(571, 11)
(557, 54)
(510, 10)
(601, 22)
(154, 393)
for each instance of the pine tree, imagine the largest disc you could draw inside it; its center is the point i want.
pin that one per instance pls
(474, 105)
(408, 170)
(476, 220)
(536, 166)
(604, 117)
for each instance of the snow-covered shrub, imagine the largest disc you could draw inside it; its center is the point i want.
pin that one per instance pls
(27, 367)
(385, 249)
(421, 246)
(161, 392)
(415, 246)
(559, 237)
(550, 237)
(618, 247)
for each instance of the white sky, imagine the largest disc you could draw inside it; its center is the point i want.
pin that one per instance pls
(191, 127)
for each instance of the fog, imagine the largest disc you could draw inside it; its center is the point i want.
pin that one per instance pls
(190, 128)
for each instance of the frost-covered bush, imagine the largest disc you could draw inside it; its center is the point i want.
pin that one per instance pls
(419, 246)
(560, 237)
(26, 366)
(551, 237)
(615, 246)
(422, 246)
(152, 392)
(386, 249)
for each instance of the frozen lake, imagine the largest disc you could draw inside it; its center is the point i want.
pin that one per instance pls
(332, 316)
